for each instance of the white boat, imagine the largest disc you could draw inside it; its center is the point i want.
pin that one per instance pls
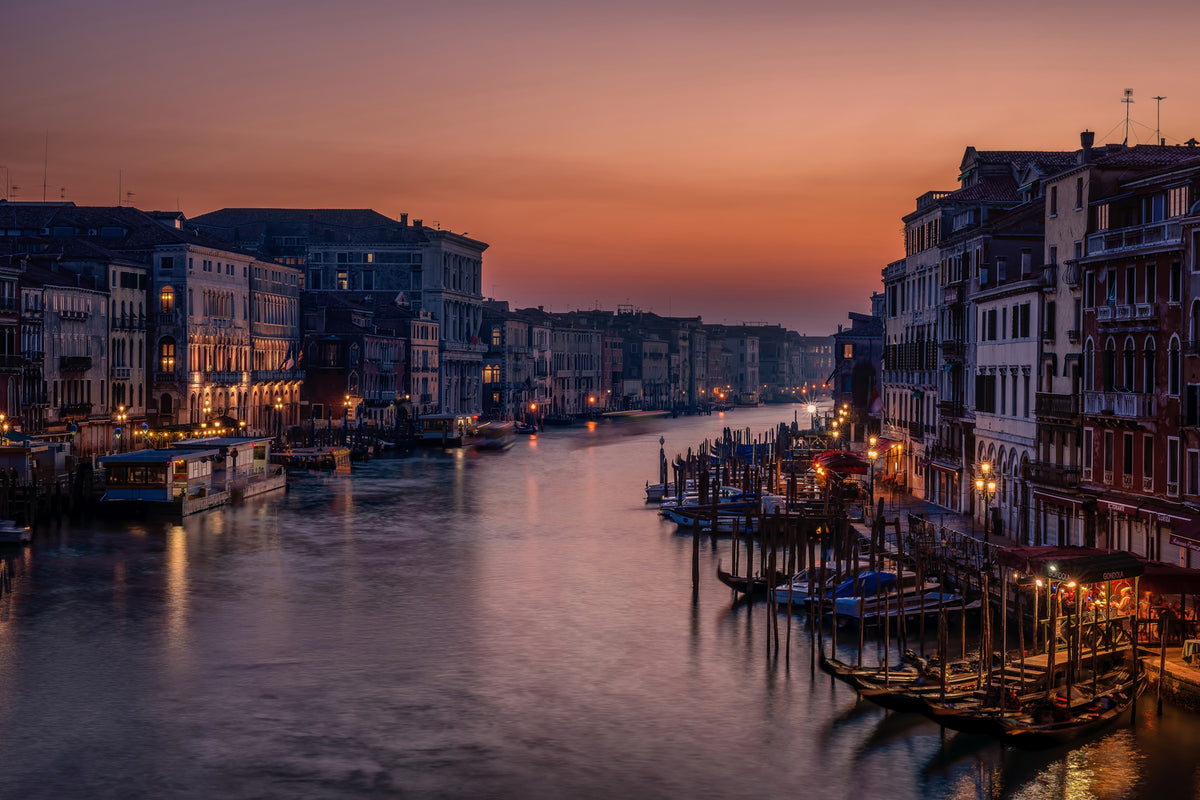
(12, 533)
(657, 492)
(496, 436)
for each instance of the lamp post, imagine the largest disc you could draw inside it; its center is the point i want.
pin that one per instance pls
(346, 420)
(812, 416)
(872, 454)
(120, 418)
(279, 417)
(986, 487)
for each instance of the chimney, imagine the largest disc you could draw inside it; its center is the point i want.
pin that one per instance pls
(417, 223)
(1086, 140)
(404, 219)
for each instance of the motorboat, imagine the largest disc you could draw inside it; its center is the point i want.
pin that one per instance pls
(11, 532)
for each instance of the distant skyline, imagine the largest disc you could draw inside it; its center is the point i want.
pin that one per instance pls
(742, 162)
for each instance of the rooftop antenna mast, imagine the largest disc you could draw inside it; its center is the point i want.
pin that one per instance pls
(1158, 118)
(1127, 100)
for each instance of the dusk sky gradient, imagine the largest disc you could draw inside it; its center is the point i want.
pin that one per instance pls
(739, 161)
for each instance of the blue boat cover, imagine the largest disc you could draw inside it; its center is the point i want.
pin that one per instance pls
(871, 584)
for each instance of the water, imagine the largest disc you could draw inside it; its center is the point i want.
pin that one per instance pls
(467, 625)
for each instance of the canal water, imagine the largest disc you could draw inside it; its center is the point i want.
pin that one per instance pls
(463, 624)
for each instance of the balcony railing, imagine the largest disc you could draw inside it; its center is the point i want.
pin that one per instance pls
(944, 455)
(1123, 240)
(121, 373)
(224, 377)
(1139, 312)
(166, 377)
(1049, 276)
(74, 314)
(74, 363)
(260, 375)
(916, 430)
(11, 361)
(1071, 273)
(1056, 475)
(951, 409)
(1059, 406)
(167, 318)
(75, 411)
(953, 349)
(1120, 404)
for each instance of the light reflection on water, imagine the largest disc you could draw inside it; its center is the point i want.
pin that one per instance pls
(470, 624)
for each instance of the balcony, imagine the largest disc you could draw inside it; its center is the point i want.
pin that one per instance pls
(74, 411)
(266, 375)
(76, 315)
(74, 363)
(1121, 404)
(225, 377)
(1059, 476)
(1056, 406)
(1071, 273)
(121, 373)
(942, 454)
(11, 361)
(951, 409)
(953, 350)
(1155, 236)
(167, 318)
(1140, 312)
(1049, 278)
(916, 430)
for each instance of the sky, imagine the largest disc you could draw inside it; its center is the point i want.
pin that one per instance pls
(743, 162)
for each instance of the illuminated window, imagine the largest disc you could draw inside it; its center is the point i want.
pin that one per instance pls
(167, 300)
(166, 355)
(496, 337)
(343, 280)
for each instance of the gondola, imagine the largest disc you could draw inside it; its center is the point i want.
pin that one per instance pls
(754, 588)
(1084, 721)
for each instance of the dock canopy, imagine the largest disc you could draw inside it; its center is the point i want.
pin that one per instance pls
(1081, 564)
(841, 461)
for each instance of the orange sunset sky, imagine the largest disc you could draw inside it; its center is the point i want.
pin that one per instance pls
(740, 161)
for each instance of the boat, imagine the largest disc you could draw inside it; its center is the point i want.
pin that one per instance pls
(13, 533)
(524, 427)
(755, 588)
(634, 416)
(495, 436)
(1050, 724)
(657, 492)
(445, 430)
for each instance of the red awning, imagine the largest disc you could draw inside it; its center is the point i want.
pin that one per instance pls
(841, 461)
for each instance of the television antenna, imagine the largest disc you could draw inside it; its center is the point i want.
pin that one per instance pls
(1127, 100)
(1158, 119)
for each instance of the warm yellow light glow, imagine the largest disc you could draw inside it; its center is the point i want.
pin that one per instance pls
(979, 484)
(873, 440)
(871, 454)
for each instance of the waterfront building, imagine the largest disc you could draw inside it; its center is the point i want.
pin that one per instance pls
(276, 376)
(75, 363)
(1141, 446)
(360, 250)
(855, 379)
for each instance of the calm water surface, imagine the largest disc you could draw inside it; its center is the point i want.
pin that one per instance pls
(467, 625)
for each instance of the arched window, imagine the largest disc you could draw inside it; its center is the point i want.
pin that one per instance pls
(1149, 379)
(1194, 327)
(1089, 365)
(1173, 367)
(1110, 365)
(1127, 381)
(167, 300)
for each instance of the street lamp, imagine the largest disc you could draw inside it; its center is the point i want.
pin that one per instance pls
(279, 416)
(986, 487)
(812, 416)
(872, 454)
(346, 420)
(3, 428)
(120, 418)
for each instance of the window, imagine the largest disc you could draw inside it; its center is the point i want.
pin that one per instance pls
(1175, 291)
(1053, 254)
(314, 280)
(985, 393)
(848, 351)
(1172, 465)
(1127, 454)
(1026, 396)
(166, 264)
(1149, 378)
(1148, 456)
(1024, 309)
(496, 336)
(1089, 290)
(1087, 448)
(491, 373)
(166, 300)
(1193, 472)
(1026, 261)
(1127, 372)
(1003, 394)
(1078, 193)
(1151, 279)
(1108, 451)
(166, 355)
(1102, 217)
(1054, 201)
(343, 280)
(368, 280)
(1177, 204)
(1130, 296)
(1110, 288)
(1110, 365)
(1191, 406)
(1049, 324)
(1173, 367)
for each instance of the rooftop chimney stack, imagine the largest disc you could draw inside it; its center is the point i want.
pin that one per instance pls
(1086, 141)
(404, 219)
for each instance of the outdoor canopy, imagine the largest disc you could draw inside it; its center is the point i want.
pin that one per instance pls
(1081, 564)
